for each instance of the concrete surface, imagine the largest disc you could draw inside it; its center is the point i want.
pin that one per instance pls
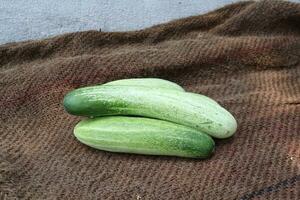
(33, 19)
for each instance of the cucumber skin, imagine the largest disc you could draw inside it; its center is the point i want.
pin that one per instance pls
(179, 107)
(146, 82)
(143, 136)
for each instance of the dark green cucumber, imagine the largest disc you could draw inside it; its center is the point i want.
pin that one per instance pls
(179, 107)
(143, 136)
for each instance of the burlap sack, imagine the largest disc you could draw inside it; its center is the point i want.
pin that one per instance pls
(245, 55)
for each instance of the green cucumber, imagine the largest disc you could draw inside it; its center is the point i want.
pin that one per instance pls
(143, 136)
(153, 83)
(179, 107)
(146, 82)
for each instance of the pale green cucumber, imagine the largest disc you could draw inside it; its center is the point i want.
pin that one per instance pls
(143, 136)
(146, 82)
(153, 83)
(175, 106)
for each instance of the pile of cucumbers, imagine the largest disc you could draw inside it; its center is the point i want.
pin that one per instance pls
(148, 116)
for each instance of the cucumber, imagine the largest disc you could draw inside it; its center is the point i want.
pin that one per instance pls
(143, 136)
(147, 82)
(153, 83)
(179, 107)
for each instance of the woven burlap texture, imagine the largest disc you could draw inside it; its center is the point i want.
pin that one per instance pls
(245, 55)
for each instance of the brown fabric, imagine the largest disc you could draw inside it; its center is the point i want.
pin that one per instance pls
(245, 55)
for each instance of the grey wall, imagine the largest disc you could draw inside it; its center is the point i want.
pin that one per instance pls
(31, 19)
